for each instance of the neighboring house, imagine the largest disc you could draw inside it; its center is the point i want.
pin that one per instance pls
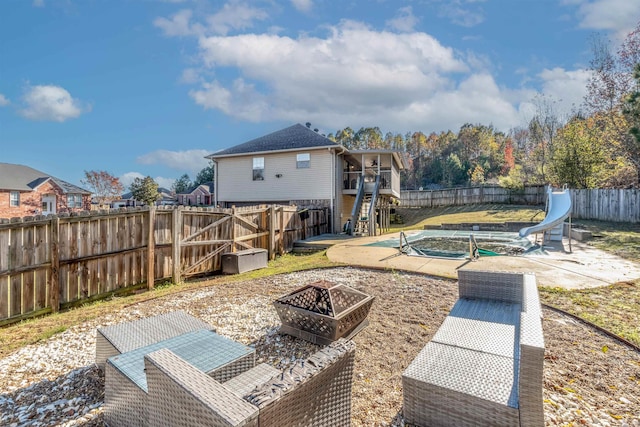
(198, 195)
(125, 201)
(167, 197)
(301, 167)
(26, 191)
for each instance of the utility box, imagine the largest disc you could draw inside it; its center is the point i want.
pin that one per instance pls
(246, 260)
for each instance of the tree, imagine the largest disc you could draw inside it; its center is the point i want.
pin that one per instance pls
(207, 174)
(608, 92)
(145, 190)
(579, 156)
(477, 175)
(182, 184)
(104, 186)
(542, 131)
(631, 111)
(344, 137)
(509, 158)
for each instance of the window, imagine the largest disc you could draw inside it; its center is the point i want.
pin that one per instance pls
(198, 199)
(258, 168)
(74, 201)
(303, 160)
(14, 198)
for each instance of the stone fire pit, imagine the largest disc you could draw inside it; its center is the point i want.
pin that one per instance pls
(322, 312)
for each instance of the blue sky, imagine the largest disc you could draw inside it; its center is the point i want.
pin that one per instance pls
(143, 87)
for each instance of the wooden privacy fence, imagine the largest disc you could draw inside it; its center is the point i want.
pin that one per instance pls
(49, 263)
(618, 205)
(530, 195)
(604, 204)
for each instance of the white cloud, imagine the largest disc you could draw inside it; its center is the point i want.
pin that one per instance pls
(567, 88)
(357, 76)
(4, 101)
(190, 76)
(460, 12)
(38, 3)
(234, 15)
(617, 16)
(241, 100)
(179, 25)
(164, 182)
(127, 179)
(191, 161)
(50, 103)
(354, 76)
(302, 5)
(404, 21)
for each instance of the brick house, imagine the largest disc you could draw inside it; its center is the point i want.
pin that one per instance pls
(26, 191)
(198, 195)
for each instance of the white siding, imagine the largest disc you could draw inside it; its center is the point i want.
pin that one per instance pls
(236, 184)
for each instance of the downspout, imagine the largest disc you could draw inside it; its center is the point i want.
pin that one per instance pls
(215, 182)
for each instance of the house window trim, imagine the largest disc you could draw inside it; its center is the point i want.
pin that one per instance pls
(303, 160)
(14, 199)
(258, 168)
(74, 201)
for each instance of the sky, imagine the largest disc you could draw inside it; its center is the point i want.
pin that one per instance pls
(149, 87)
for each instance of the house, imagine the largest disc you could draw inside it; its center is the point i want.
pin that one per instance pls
(167, 197)
(25, 191)
(300, 167)
(198, 195)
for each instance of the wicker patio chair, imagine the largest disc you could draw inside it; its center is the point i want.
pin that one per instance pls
(126, 392)
(484, 364)
(316, 392)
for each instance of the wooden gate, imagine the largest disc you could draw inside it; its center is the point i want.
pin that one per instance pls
(205, 235)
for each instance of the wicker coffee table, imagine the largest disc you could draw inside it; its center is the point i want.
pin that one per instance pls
(123, 337)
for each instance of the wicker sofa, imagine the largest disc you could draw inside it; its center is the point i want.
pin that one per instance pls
(316, 392)
(484, 364)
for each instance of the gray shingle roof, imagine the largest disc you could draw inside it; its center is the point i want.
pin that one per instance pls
(293, 137)
(209, 186)
(23, 178)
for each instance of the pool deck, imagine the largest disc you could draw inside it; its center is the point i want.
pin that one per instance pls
(584, 267)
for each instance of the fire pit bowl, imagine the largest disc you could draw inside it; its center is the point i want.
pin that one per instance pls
(322, 312)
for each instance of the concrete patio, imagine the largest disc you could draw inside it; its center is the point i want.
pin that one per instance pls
(583, 267)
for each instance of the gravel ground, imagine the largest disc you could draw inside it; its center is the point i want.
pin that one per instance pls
(589, 378)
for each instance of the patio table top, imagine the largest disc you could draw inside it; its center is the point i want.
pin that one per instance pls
(128, 336)
(203, 349)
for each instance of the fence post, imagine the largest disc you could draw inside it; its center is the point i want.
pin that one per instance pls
(151, 248)
(54, 246)
(176, 216)
(272, 232)
(233, 229)
(281, 244)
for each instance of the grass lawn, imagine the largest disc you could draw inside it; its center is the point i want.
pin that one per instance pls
(616, 307)
(417, 218)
